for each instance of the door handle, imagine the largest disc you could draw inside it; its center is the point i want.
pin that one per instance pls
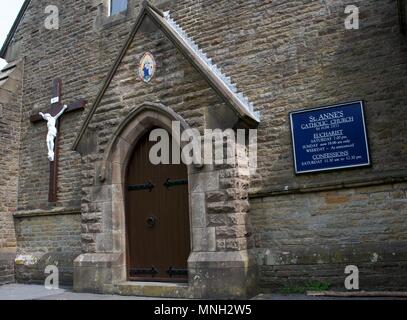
(151, 221)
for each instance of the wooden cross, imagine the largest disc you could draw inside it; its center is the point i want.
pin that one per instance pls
(56, 107)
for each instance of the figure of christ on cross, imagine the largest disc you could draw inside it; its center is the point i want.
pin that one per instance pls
(51, 116)
(52, 131)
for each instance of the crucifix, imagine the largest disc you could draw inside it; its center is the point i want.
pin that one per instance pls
(51, 116)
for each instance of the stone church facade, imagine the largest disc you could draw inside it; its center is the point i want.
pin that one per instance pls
(219, 64)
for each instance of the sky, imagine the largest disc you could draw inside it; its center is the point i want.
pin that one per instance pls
(8, 12)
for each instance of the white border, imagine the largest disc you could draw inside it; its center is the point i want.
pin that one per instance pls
(361, 104)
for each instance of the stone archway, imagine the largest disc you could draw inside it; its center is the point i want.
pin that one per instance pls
(113, 170)
(108, 264)
(217, 218)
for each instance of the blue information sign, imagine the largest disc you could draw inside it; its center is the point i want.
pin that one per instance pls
(330, 138)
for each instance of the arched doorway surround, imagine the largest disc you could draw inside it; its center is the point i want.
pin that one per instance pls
(216, 227)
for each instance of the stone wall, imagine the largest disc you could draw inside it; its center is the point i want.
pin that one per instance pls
(10, 101)
(314, 236)
(44, 240)
(80, 53)
(288, 57)
(282, 60)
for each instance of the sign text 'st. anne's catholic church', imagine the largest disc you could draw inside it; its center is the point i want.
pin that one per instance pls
(329, 138)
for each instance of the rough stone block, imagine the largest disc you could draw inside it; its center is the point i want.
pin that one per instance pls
(93, 271)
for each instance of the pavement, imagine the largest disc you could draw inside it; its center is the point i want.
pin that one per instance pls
(304, 297)
(39, 292)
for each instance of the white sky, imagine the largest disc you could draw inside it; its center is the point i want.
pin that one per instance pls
(8, 12)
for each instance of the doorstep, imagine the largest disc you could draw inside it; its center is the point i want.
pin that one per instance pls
(150, 289)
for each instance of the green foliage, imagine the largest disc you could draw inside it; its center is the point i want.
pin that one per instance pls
(309, 286)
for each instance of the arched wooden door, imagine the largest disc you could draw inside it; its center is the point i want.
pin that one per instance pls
(157, 218)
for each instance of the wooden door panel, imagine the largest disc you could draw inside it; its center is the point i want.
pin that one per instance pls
(165, 245)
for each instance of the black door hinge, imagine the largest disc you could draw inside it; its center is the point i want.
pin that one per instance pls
(177, 272)
(143, 272)
(138, 187)
(174, 183)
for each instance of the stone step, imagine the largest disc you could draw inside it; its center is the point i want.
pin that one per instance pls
(150, 289)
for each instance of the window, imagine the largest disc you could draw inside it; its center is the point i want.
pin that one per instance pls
(117, 6)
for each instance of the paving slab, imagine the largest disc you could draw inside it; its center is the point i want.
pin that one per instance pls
(89, 296)
(304, 297)
(39, 292)
(26, 292)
